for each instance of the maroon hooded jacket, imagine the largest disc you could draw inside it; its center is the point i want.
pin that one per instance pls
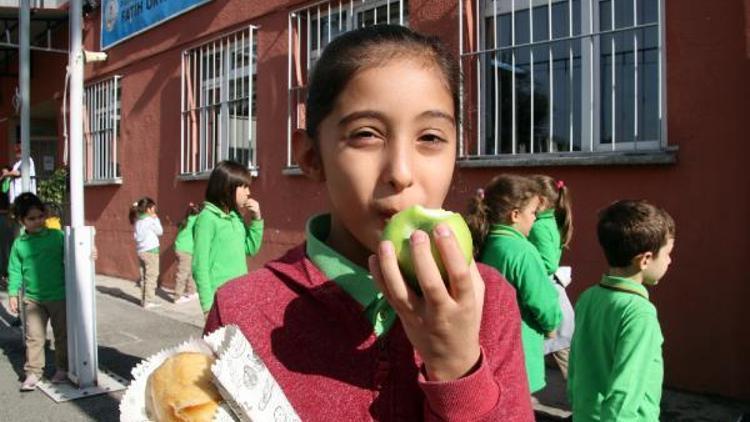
(321, 349)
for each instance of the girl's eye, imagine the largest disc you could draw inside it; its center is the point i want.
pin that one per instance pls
(432, 139)
(363, 137)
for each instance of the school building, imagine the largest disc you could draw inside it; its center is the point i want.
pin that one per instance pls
(617, 98)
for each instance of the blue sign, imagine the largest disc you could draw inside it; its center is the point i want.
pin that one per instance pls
(122, 19)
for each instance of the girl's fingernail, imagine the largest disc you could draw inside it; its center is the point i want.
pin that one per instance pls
(418, 237)
(442, 230)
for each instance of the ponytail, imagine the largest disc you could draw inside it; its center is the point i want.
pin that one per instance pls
(564, 214)
(477, 221)
(139, 207)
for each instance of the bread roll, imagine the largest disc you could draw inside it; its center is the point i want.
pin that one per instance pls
(180, 390)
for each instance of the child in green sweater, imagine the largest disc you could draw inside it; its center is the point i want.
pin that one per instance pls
(550, 234)
(616, 368)
(36, 269)
(184, 290)
(227, 230)
(500, 218)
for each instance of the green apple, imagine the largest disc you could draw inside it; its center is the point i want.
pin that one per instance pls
(403, 224)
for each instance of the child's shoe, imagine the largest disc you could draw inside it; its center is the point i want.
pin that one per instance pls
(29, 384)
(182, 299)
(60, 377)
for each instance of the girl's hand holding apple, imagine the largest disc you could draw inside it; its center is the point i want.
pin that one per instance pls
(443, 324)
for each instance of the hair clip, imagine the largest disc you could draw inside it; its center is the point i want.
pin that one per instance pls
(480, 193)
(135, 204)
(560, 184)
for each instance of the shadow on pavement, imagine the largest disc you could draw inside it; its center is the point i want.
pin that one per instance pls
(119, 293)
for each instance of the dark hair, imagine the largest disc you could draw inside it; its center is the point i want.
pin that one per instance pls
(226, 177)
(192, 209)
(628, 228)
(368, 47)
(494, 203)
(24, 203)
(558, 196)
(139, 207)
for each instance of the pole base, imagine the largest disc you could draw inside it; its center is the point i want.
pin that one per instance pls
(107, 382)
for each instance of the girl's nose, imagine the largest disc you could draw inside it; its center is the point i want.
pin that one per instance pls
(398, 171)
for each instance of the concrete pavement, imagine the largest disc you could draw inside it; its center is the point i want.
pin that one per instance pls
(127, 333)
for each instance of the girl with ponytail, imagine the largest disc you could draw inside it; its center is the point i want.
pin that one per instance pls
(500, 218)
(551, 233)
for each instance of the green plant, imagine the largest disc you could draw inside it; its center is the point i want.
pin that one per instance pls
(52, 189)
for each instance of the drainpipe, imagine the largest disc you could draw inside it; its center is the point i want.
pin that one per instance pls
(24, 24)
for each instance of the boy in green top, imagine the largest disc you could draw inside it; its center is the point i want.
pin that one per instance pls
(616, 368)
(36, 263)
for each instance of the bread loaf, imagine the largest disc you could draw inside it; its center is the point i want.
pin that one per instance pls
(180, 390)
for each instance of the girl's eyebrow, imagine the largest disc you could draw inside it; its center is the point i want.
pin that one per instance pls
(380, 116)
(361, 115)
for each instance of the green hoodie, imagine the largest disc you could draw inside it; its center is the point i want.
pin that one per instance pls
(221, 243)
(184, 240)
(36, 261)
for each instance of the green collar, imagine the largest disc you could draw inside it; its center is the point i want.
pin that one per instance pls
(142, 216)
(41, 233)
(353, 279)
(505, 230)
(549, 213)
(216, 210)
(623, 284)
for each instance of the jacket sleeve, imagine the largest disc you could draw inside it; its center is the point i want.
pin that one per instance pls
(548, 247)
(537, 296)
(253, 237)
(497, 390)
(204, 235)
(15, 271)
(639, 343)
(156, 225)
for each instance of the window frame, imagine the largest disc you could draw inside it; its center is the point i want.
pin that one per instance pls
(590, 141)
(102, 102)
(208, 133)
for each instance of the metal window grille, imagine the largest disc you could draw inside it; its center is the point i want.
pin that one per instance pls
(571, 76)
(101, 130)
(219, 103)
(311, 28)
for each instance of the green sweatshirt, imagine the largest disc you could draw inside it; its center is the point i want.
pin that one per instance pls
(518, 260)
(184, 240)
(616, 368)
(37, 261)
(545, 236)
(221, 243)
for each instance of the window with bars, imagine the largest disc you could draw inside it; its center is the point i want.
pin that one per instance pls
(311, 28)
(219, 103)
(102, 130)
(561, 76)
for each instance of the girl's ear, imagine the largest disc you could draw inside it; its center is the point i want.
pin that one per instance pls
(307, 156)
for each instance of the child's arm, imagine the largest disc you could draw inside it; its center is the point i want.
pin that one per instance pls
(638, 345)
(15, 277)
(537, 296)
(203, 232)
(253, 237)
(156, 226)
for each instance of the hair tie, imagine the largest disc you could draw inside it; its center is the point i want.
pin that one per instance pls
(135, 204)
(190, 204)
(560, 184)
(480, 193)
